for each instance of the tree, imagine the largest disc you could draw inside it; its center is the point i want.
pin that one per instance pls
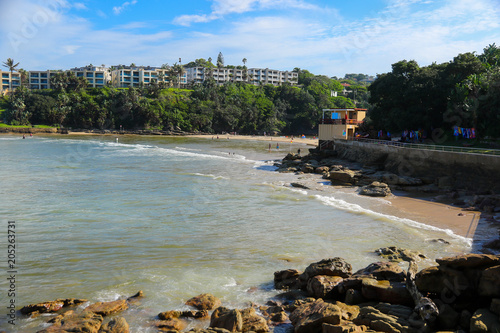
(244, 61)
(11, 65)
(220, 60)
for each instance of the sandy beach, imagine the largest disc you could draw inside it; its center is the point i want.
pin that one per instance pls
(311, 141)
(462, 223)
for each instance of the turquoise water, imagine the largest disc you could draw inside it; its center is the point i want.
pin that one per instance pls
(176, 217)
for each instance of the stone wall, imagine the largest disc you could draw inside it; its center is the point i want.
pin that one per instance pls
(447, 169)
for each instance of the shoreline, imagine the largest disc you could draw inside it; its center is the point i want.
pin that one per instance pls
(427, 211)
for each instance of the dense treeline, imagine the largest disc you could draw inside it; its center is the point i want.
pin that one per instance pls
(210, 108)
(464, 92)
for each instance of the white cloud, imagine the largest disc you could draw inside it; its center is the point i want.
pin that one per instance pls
(220, 8)
(118, 9)
(79, 6)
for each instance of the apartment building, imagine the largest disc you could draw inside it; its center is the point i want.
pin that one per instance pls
(41, 79)
(125, 77)
(97, 77)
(254, 76)
(9, 80)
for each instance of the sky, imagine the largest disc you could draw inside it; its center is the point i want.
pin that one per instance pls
(326, 37)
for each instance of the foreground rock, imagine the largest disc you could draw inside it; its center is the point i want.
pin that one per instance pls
(376, 189)
(204, 302)
(116, 325)
(108, 308)
(87, 322)
(51, 306)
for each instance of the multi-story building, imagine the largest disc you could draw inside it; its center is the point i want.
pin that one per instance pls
(126, 76)
(9, 81)
(254, 76)
(41, 79)
(97, 77)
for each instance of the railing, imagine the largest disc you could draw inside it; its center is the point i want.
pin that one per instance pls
(464, 150)
(340, 121)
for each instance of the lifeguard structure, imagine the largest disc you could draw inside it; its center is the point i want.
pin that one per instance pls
(339, 124)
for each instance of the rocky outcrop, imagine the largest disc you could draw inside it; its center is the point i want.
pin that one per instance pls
(330, 267)
(287, 279)
(251, 322)
(229, 319)
(397, 254)
(88, 322)
(108, 308)
(311, 316)
(51, 306)
(115, 325)
(376, 189)
(320, 286)
(204, 302)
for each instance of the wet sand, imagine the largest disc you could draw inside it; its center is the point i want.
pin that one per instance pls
(462, 223)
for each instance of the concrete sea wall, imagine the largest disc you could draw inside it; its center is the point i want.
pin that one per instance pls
(446, 169)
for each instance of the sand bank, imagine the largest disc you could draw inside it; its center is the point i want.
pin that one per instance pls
(462, 223)
(308, 140)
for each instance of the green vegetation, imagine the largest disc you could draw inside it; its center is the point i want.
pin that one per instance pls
(232, 107)
(464, 92)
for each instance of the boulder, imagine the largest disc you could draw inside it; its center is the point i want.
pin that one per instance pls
(253, 322)
(322, 170)
(484, 321)
(51, 306)
(307, 168)
(88, 322)
(292, 157)
(472, 260)
(320, 286)
(397, 254)
(228, 319)
(382, 271)
(489, 283)
(342, 177)
(287, 279)
(299, 185)
(311, 316)
(331, 267)
(386, 291)
(195, 314)
(376, 189)
(353, 297)
(173, 324)
(115, 325)
(275, 313)
(169, 315)
(442, 279)
(107, 308)
(204, 302)
(381, 322)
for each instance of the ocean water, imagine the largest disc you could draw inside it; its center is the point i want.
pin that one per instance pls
(175, 217)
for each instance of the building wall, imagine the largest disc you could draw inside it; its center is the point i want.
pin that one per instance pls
(328, 132)
(254, 76)
(7, 80)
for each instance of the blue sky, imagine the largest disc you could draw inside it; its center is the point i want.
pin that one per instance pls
(331, 38)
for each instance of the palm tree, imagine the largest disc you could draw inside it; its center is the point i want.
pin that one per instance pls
(245, 73)
(11, 66)
(178, 70)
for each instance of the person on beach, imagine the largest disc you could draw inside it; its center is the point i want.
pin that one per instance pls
(277, 146)
(269, 147)
(298, 151)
